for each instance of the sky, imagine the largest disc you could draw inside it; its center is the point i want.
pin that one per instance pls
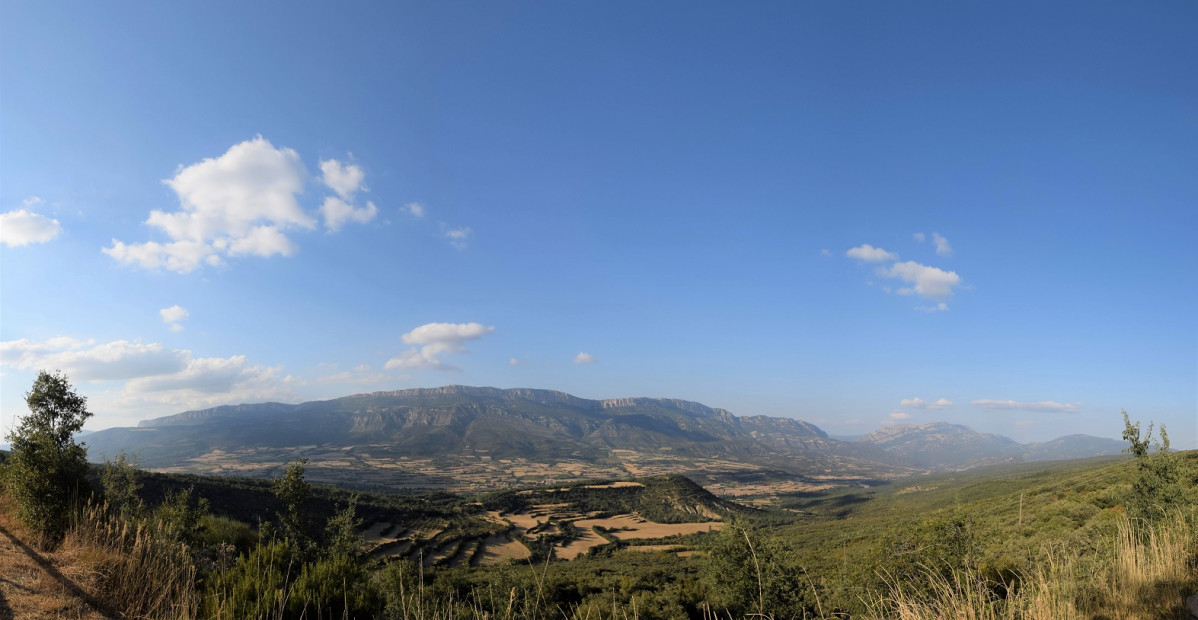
(857, 214)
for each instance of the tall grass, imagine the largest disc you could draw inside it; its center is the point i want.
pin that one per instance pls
(141, 572)
(1146, 574)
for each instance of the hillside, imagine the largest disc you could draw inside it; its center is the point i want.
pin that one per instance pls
(474, 438)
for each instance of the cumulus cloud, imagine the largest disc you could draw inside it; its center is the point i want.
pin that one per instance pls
(243, 203)
(942, 246)
(458, 237)
(919, 403)
(87, 361)
(899, 415)
(344, 179)
(152, 378)
(435, 341)
(173, 315)
(205, 375)
(20, 228)
(1045, 406)
(414, 209)
(929, 282)
(918, 237)
(584, 358)
(337, 212)
(870, 254)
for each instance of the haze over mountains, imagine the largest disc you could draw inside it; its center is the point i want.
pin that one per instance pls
(454, 428)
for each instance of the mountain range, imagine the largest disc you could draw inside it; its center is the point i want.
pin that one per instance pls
(431, 431)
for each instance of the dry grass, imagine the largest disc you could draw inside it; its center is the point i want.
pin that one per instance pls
(1146, 576)
(104, 567)
(40, 585)
(125, 555)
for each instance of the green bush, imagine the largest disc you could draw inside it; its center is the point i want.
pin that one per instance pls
(748, 573)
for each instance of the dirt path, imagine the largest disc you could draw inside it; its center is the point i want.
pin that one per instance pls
(32, 584)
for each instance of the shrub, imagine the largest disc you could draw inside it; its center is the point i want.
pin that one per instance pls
(1157, 487)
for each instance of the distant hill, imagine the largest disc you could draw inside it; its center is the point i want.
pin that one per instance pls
(940, 445)
(480, 437)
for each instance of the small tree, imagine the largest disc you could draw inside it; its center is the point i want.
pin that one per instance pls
(121, 485)
(1157, 486)
(294, 521)
(47, 469)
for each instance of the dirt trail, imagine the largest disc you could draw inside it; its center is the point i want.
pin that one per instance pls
(34, 584)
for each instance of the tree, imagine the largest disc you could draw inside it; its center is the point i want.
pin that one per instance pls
(47, 469)
(119, 480)
(1157, 487)
(294, 522)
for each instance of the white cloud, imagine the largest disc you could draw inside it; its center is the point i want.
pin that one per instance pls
(899, 415)
(918, 237)
(458, 237)
(33, 201)
(513, 362)
(173, 315)
(940, 307)
(436, 340)
(150, 378)
(446, 332)
(337, 212)
(414, 209)
(344, 179)
(930, 282)
(85, 360)
(919, 403)
(244, 202)
(179, 256)
(825, 252)
(1046, 406)
(942, 246)
(584, 358)
(20, 228)
(870, 254)
(205, 375)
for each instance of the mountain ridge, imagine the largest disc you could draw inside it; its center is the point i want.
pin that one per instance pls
(459, 428)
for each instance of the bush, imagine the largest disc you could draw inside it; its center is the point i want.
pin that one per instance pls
(1157, 488)
(747, 573)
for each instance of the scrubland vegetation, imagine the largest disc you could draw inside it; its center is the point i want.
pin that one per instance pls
(1106, 538)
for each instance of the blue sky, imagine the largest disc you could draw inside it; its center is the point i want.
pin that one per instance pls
(857, 214)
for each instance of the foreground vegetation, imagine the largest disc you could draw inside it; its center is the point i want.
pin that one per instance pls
(1110, 538)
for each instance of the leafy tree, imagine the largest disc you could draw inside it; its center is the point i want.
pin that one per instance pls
(1157, 487)
(182, 518)
(47, 470)
(121, 485)
(294, 521)
(341, 536)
